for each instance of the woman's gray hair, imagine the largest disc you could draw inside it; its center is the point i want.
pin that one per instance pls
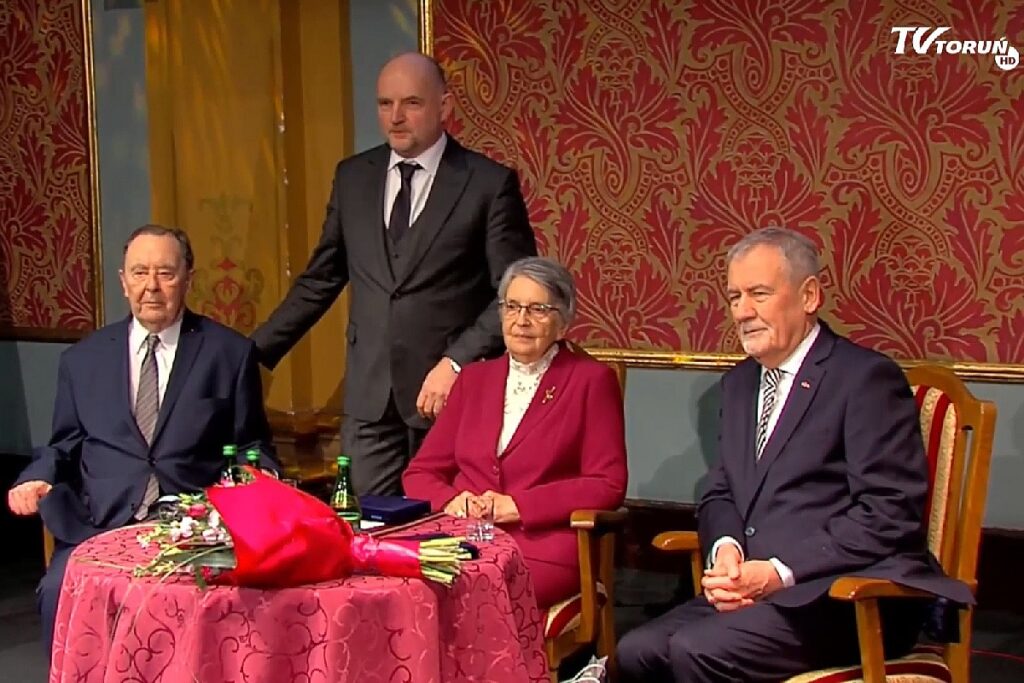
(550, 275)
(799, 252)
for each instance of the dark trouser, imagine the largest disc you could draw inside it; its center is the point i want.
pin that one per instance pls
(48, 591)
(694, 643)
(379, 451)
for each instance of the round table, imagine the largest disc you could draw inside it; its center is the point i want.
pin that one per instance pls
(112, 627)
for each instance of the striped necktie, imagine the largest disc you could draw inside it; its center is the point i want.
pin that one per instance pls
(147, 400)
(769, 393)
(147, 408)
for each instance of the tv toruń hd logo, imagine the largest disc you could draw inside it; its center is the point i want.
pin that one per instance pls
(925, 39)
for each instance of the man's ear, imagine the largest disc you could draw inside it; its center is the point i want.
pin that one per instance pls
(811, 295)
(447, 105)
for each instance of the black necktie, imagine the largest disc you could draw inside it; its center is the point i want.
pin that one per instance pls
(402, 208)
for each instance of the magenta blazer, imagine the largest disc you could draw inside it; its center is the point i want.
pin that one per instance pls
(569, 453)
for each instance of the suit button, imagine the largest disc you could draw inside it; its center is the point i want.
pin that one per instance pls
(496, 470)
(749, 531)
(152, 460)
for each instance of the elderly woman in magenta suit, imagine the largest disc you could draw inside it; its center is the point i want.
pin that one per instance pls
(539, 431)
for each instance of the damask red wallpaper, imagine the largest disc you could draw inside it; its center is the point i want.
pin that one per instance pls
(652, 134)
(47, 194)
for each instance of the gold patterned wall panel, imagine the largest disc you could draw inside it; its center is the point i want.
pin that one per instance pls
(215, 152)
(49, 215)
(246, 102)
(651, 134)
(318, 116)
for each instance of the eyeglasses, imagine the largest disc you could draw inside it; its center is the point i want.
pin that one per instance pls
(512, 309)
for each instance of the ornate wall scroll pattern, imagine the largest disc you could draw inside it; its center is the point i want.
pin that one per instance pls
(47, 211)
(651, 134)
(225, 288)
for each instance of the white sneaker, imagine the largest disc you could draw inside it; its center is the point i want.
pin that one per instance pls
(594, 672)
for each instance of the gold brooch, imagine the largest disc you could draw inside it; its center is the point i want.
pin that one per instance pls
(549, 395)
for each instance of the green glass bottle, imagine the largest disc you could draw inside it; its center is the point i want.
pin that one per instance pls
(343, 499)
(229, 474)
(252, 458)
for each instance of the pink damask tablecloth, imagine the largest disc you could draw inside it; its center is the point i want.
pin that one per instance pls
(112, 627)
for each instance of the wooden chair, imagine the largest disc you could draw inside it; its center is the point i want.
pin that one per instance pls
(957, 429)
(47, 547)
(587, 619)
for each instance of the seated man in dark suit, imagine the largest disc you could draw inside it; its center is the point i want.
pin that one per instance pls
(821, 473)
(143, 408)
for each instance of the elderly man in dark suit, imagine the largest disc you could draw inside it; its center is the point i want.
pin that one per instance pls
(821, 473)
(422, 230)
(143, 408)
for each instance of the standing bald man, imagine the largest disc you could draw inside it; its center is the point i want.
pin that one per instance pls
(421, 229)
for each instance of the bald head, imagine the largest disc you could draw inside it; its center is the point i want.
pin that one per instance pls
(424, 66)
(412, 103)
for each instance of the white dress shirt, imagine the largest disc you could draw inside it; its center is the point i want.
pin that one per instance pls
(165, 351)
(789, 367)
(422, 180)
(520, 387)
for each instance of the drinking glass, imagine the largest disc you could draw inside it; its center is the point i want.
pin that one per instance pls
(480, 529)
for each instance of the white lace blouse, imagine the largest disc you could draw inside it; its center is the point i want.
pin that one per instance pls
(521, 384)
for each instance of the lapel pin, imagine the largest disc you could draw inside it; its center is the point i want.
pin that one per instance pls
(549, 395)
(805, 384)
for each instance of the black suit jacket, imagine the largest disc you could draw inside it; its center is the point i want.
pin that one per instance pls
(97, 459)
(842, 483)
(436, 300)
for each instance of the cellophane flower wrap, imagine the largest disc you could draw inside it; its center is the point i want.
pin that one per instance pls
(281, 537)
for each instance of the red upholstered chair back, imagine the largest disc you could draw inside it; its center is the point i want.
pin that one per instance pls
(957, 429)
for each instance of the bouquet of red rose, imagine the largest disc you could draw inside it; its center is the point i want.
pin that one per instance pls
(264, 533)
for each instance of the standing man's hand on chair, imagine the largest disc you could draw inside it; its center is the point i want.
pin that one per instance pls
(434, 391)
(24, 499)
